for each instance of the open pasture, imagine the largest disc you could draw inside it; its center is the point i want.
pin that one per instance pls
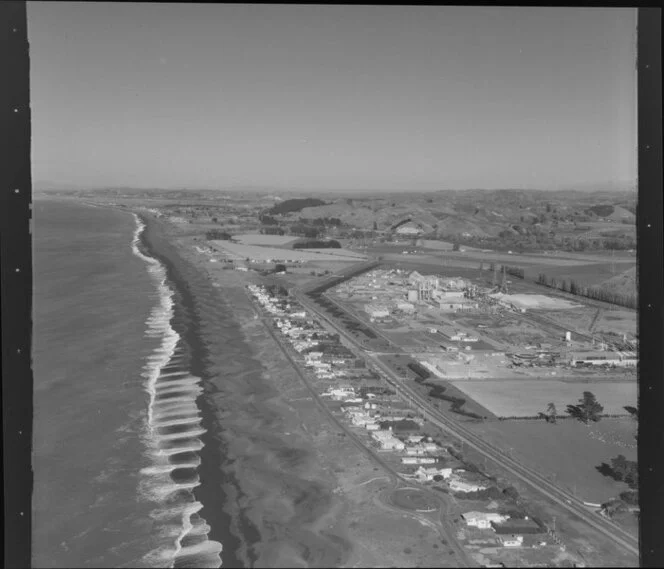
(618, 321)
(530, 301)
(345, 253)
(267, 254)
(567, 452)
(528, 397)
(265, 240)
(589, 274)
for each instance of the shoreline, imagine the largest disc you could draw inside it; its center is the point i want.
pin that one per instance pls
(215, 501)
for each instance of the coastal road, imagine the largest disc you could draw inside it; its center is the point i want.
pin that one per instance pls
(396, 477)
(529, 476)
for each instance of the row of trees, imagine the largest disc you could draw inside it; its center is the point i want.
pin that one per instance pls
(592, 292)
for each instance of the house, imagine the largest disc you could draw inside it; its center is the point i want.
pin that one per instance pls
(387, 441)
(483, 520)
(518, 526)
(418, 460)
(461, 481)
(511, 541)
(423, 449)
(414, 439)
(457, 485)
(429, 473)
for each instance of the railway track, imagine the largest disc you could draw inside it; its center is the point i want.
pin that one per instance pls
(534, 479)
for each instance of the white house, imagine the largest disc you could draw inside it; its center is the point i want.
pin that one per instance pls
(483, 520)
(457, 485)
(417, 460)
(429, 473)
(511, 540)
(414, 439)
(387, 441)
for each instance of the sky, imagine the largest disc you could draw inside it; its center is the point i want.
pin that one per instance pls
(318, 96)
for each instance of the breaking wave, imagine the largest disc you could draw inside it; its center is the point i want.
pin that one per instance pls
(172, 432)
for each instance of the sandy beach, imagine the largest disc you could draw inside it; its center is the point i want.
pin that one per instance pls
(280, 484)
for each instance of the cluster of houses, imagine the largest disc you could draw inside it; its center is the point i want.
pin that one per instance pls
(321, 351)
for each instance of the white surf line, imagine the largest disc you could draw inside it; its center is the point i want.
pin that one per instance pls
(168, 356)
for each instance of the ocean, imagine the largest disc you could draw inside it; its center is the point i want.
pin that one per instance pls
(117, 427)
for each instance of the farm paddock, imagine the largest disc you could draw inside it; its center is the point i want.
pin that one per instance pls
(528, 397)
(568, 452)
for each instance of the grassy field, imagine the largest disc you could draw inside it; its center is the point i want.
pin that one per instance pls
(580, 318)
(618, 321)
(587, 274)
(568, 451)
(268, 240)
(526, 398)
(241, 251)
(346, 253)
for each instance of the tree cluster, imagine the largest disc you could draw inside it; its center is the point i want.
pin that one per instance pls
(623, 470)
(276, 290)
(600, 210)
(420, 370)
(267, 219)
(587, 410)
(217, 235)
(305, 230)
(323, 221)
(271, 230)
(297, 204)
